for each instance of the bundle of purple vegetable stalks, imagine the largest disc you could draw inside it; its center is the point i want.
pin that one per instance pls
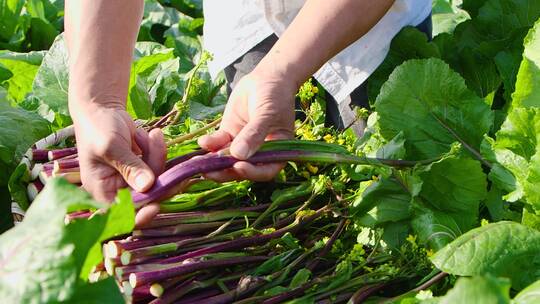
(242, 252)
(218, 244)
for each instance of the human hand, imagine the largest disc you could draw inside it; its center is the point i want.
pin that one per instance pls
(113, 154)
(261, 107)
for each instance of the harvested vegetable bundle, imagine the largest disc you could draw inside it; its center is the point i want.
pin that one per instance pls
(215, 246)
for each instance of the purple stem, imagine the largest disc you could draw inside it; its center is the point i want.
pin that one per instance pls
(246, 241)
(328, 246)
(115, 248)
(299, 291)
(182, 158)
(191, 217)
(163, 119)
(180, 229)
(365, 292)
(199, 297)
(141, 278)
(40, 155)
(56, 154)
(340, 298)
(170, 182)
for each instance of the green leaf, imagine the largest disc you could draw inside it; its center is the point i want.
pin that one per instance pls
(121, 219)
(516, 149)
(383, 201)
(505, 249)
(49, 266)
(409, 43)
(449, 200)
(275, 263)
(527, 93)
(10, 11)
(191, 8)
(52, 80)
(156, 20)
(186, 47)
(500, 17)
(498, 208)
(15, 140)
(530, 219)
(301, 277)
(455, 185)
(23, 68)
(6, 218)
(436, 228)
(431, 105)
(473, 6)
(17, 183)
(529, 295)
(41, 34)
(446, 16)
(152, 61)
(484, 290)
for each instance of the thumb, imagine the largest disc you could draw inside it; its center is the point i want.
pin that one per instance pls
(135, 172)
(250, 138)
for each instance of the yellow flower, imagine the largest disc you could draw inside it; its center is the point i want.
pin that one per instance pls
(429, 253)
(484, 222)
(329, 138)
(411, 239)
(315, 90)
(312, 169)
(341, 141)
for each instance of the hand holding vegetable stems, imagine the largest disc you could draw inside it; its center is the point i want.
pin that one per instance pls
(100, 48)
(101, 45)
(261, 106)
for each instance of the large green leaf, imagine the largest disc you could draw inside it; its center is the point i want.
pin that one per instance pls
(517, 150)
(529, 295)
(448, 203)
(455, 184)
(441, 201)
(498, 18)
(52, 265)
(52, 80)
(479, 290)
(504, 249)
(409, 43)
(23, 68)
(431, 105)
(527, 93)
(15, 139)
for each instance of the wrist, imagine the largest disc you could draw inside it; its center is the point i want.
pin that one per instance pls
(277, 74)
(81, 105)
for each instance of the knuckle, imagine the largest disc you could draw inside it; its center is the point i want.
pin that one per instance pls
(126, 167)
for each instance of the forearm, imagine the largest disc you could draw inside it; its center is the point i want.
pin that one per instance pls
(320, 31)
(101, 35)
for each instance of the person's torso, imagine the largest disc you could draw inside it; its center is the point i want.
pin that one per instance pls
(233, 27)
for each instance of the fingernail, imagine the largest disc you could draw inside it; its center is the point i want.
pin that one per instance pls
(141, 180)
(241, 150)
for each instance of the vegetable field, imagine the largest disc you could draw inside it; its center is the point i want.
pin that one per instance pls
(438, 202)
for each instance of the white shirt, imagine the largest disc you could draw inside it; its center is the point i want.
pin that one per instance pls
(233, 27)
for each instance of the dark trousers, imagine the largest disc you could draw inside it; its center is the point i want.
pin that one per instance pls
(248, 61)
